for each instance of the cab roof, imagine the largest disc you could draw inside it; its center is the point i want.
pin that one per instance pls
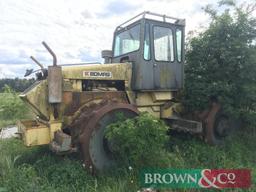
(152, 16)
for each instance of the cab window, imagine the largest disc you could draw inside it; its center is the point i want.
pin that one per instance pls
(179, 44)
(146, 54)
(163, 44)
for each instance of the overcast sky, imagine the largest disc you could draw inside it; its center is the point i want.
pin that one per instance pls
(77, 30)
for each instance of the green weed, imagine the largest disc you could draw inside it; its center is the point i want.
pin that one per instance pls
(139, 141)
(37, 169)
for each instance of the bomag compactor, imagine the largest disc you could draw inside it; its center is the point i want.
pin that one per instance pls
(144, 72)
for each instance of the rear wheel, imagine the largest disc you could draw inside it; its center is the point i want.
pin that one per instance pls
(217, 125)
(221, 127)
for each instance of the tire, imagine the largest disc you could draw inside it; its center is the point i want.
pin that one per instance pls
(221, 130)
(95, 148)
(217, 125)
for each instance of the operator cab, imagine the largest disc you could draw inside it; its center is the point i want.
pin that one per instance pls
(155, 47)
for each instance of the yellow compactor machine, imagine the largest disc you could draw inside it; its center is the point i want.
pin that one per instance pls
(144, 71)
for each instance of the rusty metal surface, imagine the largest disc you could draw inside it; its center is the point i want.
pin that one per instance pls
(88, 123)
(54, 84)
(79, 99)
(61, 142)
(67, 97)
(209, 117)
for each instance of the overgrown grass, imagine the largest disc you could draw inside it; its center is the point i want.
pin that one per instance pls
(37, 169)
(12, 109)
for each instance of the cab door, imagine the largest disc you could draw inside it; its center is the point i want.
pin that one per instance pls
(167, 71)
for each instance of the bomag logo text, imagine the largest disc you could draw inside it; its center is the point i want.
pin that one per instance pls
(97, 74)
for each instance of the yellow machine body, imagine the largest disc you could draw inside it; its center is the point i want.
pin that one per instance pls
(41, 130)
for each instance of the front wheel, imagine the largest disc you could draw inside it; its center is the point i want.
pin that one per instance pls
(96, 148)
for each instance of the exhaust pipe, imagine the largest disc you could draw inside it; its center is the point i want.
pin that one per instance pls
(54, 79)
(51, 52)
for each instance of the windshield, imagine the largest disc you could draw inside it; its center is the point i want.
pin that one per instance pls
(127, 41)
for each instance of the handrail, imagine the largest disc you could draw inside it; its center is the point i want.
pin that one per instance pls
(145, 13)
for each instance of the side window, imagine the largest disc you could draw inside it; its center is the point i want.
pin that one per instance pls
(146, 54)
(117, 46)
(179, 44)
(163, 44)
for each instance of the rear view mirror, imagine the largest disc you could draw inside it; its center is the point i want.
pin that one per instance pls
(28, 72)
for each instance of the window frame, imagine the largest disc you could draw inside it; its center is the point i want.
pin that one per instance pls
(121, 31)
(173, 40)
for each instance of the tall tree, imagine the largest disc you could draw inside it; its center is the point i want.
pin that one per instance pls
(221, 61)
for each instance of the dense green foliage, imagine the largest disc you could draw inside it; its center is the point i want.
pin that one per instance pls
(221, 61)
(16, 84)
(139, 141)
